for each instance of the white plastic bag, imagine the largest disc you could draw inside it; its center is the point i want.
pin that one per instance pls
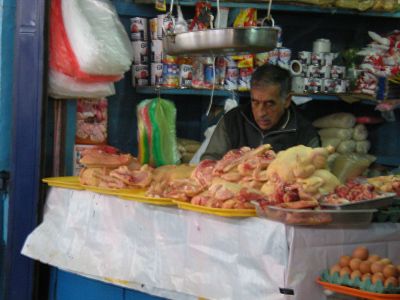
(97, 37)
(346, 147)
(363, 147)
(339, 133)
(63, 87)
(338, 120)
(360, 132)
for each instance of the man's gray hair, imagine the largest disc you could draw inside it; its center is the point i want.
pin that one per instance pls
(272, 75)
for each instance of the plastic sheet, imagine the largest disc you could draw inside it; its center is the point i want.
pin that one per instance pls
(63, 87)
(97, 37)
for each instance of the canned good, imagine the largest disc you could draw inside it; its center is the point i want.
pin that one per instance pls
(328, 85)
(284, 55)
(325, 72)
(140, 52)
(138, 29)
(262, 58)
(156, 51)
(156, 74)
(273, 57)
(305, 57)
(140, 75)
(328, 58)
(244, 79)
(338, 72)
(313, 85)
(209, 75)
(317, 59)
(313, 71)
(231, 78)
(185, 75)
(153, 25)
(298, 84)
(164, 23)
(170, 75)
(341, 85)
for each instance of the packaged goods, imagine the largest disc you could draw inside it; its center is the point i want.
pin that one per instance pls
(138, 29)
(91, 121)
(362, 147)
(360, 132)
(337, 120)
(64, 87)
(341, 133)
(246, 18)
(140, 75)
(157, 133)
(98, 39)
(349, 166)
(346, 147)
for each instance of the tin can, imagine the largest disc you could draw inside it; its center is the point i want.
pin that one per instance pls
(163, 23)
(341, 85)
(209, 75)
(284, 55)
(140, 75)
(313, 85)
(317, 59)
(231, 77)
(244, 79)
(298, 84)
(262, 58)
(185, 75)
(170, 75)
(328, 58)
(325, 72)
(313, 71)
(328, 85)
(140, 52)
(138, 29)
(153, 25)
(273, 57)
(305, 57)
(338, 72)
(156, 74)
(156, 51)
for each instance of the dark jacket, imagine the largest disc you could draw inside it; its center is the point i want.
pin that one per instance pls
(237, 128)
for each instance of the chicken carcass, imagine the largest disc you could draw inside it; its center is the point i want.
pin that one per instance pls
(105, 156)
(133, 178)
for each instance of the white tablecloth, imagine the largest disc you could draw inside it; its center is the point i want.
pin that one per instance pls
(181, 254)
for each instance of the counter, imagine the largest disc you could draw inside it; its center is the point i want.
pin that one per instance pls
(172, 253)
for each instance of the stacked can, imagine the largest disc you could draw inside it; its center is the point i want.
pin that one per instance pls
(157, 53)
(139, 37)
(317, 72)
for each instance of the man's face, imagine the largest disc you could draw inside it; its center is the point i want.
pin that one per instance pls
(267, 106)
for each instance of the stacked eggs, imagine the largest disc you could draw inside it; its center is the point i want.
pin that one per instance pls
(364, 266)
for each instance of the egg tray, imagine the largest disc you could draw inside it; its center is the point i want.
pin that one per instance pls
(365, 285)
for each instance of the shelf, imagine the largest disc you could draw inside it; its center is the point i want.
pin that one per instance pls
(288, 8)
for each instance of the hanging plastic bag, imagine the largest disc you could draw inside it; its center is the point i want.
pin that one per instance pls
(63, 87)
(97, 37)
(157, 133)
(61, 56)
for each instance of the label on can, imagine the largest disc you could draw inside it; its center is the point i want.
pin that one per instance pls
(140, 75)
(328, 58)
(185, 75)
(328, 85)
(140, 52)
(317, 59)
(325, 71)
(341, 86)
(313, 71)
(164, 23)
(153, 25)
(313, 85)
(138, 29)
(273, 57)
(156, 74)
(284, 55)
(338, 72)
(170, 75)
(262, 58)
(209, 74)
(231, 78)
(305, 57)
(156, 51)
(244, 79)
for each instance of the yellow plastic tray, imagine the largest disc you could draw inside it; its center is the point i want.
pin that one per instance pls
(112, 192)
(69, 182)
(140, 196)
(224, 212)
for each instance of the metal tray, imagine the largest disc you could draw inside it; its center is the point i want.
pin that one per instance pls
(221, 41)
(308, 217)
(385, 200)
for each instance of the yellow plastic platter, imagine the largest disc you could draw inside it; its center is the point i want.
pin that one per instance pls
(112, 192)
(68, 182)
(224, 212)
(140, 196)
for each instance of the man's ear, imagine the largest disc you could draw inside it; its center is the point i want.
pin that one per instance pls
(288, 100)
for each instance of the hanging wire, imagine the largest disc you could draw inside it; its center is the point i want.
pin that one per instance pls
(269, 17)
(218, 15)
(212, 89)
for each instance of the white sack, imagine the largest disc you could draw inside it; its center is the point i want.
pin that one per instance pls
(340, 133)
(97, 37)
(338, 120)
(363, 147)
(63, 87)
(360, 132)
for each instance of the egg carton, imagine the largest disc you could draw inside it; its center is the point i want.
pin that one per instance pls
(365, 285)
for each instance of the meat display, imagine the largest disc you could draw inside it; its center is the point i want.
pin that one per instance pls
(386, 184)
(352, 191)
(107, 157)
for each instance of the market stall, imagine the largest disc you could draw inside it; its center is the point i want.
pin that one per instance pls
(181, 254)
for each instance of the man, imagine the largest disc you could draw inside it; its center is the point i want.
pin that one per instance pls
(268, 119)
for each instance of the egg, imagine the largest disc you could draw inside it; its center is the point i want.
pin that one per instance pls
(365, 276)
(365, 267)
(334, 269)
(390, 271)
(344, 261)
(391, 280)
(361, 253)
(377, 267)
(344, 271)
(355, 274)
(374, 258)
(376, 277)
(385, 261)
(355, 263)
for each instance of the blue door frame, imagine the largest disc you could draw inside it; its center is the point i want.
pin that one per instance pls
(25, 167)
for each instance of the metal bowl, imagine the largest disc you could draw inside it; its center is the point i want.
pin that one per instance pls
(222, 41)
